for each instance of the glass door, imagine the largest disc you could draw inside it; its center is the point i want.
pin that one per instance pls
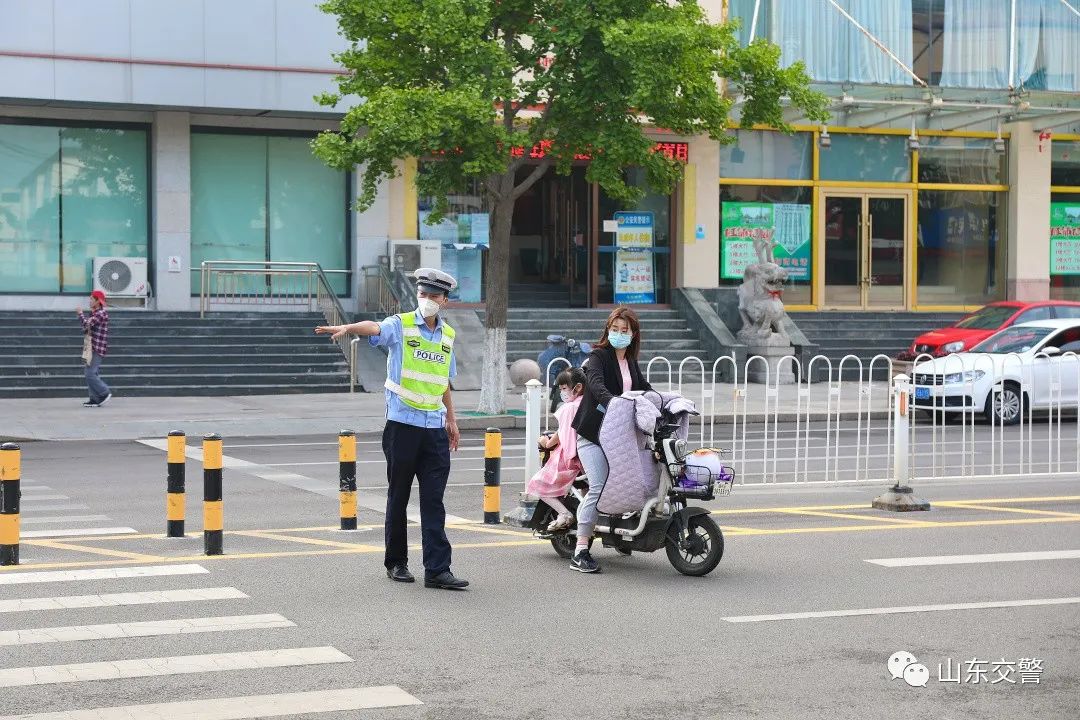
(843, 218)
(886, 234)
(865, 249)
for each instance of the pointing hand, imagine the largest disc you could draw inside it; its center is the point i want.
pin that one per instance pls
(334, 331)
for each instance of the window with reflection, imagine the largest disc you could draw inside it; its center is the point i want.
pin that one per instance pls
(68, 195)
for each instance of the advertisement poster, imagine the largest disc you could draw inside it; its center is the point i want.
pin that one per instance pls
(634, 282)
(463, 240)
(787, 224)
(1065, 238)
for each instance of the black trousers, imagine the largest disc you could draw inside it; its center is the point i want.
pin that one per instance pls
(423, 453)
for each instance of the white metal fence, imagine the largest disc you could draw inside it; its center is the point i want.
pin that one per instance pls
(954, 414)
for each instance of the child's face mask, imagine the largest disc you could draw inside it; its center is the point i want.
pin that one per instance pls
(568, 394)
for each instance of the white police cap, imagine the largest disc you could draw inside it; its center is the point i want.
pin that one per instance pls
(435, 281)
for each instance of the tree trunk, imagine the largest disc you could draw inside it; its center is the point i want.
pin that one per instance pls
(496, 284)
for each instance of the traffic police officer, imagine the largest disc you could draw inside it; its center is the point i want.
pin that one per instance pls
(420, 427)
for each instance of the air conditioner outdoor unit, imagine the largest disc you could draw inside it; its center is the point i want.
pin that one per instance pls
(121, 276)
(408, 255)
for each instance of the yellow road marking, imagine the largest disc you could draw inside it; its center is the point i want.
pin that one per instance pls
(490, 529)
(864, 506)
(861, 518)
(360, 549)
(301, 540)
(912, 526)
(993, 508)
(354, 550)
(56, 545)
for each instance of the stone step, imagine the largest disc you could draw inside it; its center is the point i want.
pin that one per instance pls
(289, 378)
(152, 360)
(78, 391)
(163, 369)
(169, 341)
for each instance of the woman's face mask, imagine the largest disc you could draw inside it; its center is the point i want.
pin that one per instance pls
(619, 340)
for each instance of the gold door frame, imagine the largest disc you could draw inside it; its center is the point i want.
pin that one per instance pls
(865, 269)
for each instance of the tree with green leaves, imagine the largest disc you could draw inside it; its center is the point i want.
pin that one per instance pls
(465, 82)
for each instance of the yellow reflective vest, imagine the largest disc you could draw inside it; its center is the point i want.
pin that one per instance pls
(425, 366)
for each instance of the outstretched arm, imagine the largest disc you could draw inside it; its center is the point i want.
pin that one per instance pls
(364, 328)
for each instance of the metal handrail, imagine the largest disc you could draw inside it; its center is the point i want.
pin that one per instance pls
(388, 293)
(222, 279)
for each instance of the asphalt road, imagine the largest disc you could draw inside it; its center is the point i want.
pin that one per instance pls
(531, 638)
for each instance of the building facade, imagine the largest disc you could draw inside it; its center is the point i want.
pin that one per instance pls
(948, 176)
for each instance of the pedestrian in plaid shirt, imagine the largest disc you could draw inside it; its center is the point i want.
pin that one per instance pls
(95, 347)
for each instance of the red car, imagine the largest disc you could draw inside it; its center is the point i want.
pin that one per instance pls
(983, 323)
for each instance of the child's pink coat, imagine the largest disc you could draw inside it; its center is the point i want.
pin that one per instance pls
(563, 465)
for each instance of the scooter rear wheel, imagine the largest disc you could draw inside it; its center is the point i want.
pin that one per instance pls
(564, 544)
(699, 551)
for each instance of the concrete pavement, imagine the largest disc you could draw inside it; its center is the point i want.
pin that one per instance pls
(129, 418)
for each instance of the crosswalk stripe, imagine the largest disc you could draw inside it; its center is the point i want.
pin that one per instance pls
(976, 559)
(901, 610)
(242, 708)
(147, 628)
(41, 497)
(151, 597)
(53, 519)
(51, 576)
(178, 665)
(76, 532)
(51, 507)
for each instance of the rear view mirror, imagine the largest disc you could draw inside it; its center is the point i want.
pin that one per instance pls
(1050, 351)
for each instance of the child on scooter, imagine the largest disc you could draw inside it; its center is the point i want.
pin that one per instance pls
(553, 479)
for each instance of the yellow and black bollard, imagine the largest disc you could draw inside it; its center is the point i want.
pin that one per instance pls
(10, 460)
(492, 480)
(213, 515)
(347, 478)
(174, 493)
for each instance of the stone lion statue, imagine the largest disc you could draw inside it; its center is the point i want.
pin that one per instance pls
(761, 305)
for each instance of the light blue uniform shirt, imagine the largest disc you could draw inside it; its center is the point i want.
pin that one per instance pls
(390, 337)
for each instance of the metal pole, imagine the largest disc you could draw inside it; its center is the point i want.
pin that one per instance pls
(10, 469)
(533, 410)
(213, 514)
(902, 423)
(1012, 44)
(900, 497)
(492, 476)
(347, 479)
(175, 480)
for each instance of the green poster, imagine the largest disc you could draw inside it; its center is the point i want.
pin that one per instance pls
(786, 225)
(1065, 238)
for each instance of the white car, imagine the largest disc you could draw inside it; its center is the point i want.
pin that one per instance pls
(1032, 365)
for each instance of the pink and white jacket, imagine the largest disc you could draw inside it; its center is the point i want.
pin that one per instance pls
(563, 465)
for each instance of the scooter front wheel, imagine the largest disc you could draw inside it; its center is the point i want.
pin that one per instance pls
(699, 550)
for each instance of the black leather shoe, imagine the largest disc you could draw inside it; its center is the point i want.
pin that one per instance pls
(400, 573)
(446, 581)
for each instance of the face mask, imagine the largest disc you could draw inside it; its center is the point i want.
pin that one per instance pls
(619, 340)
(428, 307)
(566, 395)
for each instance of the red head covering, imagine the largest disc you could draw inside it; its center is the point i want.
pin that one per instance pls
(99, 296)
